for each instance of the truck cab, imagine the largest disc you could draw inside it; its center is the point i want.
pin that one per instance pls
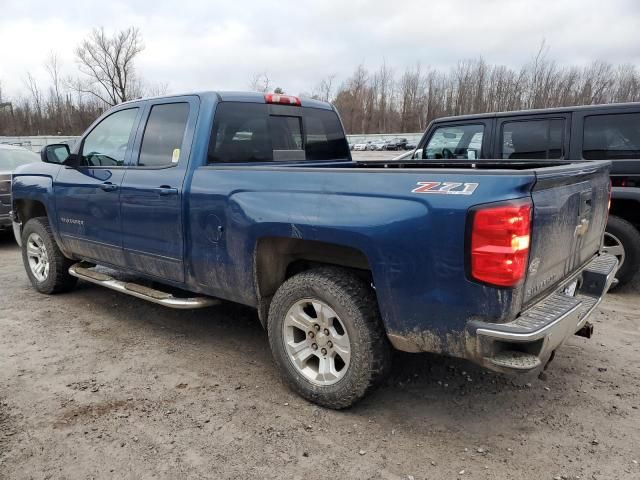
(586, 133)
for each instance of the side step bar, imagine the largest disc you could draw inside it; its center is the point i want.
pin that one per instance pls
(140, 291)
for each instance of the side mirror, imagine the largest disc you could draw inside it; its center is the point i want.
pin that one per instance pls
(55, 153)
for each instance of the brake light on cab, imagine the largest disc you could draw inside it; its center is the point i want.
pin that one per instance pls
(282, 99)
(499, 246)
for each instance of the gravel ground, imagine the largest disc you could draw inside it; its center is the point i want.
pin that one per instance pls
(94, 384)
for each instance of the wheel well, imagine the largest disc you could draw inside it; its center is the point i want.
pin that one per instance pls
(28, 209)
(627, 209)
(279, 258)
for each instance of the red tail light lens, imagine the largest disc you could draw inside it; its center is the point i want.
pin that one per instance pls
(500, 238)
(282, 99)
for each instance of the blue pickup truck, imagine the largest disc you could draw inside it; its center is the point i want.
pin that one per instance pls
(188, 200)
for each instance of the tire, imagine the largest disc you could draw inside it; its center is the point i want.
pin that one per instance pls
(356, 314)
(46, 266)
(621, 233)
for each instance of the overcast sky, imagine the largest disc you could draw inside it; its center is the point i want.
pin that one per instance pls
(218, 44)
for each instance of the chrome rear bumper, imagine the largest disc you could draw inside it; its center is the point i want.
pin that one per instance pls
(527, 343)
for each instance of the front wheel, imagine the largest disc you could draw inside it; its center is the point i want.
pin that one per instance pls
(46, 266)
(327, 337)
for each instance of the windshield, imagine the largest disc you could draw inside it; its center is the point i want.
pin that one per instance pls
(11, 158)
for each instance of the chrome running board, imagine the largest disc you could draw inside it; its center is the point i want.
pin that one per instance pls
(140, 291)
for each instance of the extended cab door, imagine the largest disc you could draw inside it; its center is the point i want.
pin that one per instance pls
(87, 193)
(152, 189)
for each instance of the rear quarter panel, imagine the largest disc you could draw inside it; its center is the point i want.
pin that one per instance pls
(414, 243)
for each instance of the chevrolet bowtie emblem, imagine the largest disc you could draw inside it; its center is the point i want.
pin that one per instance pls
(582, 227)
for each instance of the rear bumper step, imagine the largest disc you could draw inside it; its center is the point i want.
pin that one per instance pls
(527, 343)
(140, 291)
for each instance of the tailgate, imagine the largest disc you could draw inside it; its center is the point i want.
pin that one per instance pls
(570, 205)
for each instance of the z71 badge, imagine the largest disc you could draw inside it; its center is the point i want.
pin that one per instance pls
(446, 188)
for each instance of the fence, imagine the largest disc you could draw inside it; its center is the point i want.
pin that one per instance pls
(372, 137)
(35, 143)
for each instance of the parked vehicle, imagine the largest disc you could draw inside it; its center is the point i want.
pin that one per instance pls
(377, 145)
(362, 146)
(593, 132)
(11, 157)
(396, 144)
(255, 199)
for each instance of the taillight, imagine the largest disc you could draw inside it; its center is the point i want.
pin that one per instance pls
(500, 237)
(282, 99)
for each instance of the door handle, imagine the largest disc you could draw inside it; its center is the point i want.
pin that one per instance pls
(166, 190)
(108, 187)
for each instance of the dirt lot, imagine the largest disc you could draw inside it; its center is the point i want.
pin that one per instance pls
(94, 384)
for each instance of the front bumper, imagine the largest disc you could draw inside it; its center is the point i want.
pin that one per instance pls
(5, 221)
(17, 227)
(527, 343)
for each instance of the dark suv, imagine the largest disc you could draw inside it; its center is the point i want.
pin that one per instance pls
(396, 144)
(595, 132)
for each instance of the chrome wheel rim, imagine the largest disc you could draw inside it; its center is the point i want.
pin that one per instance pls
(613, 246)
(38, 257)
(316, 342)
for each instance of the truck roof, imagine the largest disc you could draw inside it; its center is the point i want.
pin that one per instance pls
(231, 96)
(538, 111)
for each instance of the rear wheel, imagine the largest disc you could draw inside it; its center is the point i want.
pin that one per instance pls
(623, 240)
(327, 337)
(46, 266)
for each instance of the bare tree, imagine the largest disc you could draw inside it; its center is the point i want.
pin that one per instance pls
(155, 89)
(369, 102)
(260, 82)
(52, 65)
(107, 63)
(324, 90)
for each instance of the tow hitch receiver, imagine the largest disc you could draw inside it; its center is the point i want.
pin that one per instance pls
(586, 331)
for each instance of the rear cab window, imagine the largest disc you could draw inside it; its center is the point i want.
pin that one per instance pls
(254, 132)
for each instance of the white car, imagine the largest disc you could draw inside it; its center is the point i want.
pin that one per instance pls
(360, 147)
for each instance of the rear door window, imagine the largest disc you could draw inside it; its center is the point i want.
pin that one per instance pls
(253, 132)
(533, 139)
(163, 135)
(455, 142)
(611, 137)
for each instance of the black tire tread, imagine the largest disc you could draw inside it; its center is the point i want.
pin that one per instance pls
(359, 300)
(59, 278)
(630, 237)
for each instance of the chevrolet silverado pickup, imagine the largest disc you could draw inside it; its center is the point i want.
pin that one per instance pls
(189, 200)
